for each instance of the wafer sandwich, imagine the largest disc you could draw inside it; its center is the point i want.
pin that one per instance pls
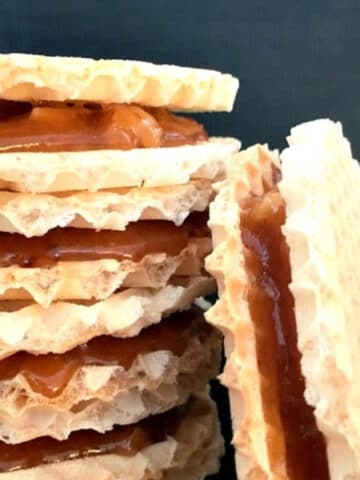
(286, 257)
(104, 194)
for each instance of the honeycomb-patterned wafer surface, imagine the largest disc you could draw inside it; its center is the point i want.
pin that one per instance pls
(321, 186)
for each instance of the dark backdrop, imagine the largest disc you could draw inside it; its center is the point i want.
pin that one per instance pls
(296, 59)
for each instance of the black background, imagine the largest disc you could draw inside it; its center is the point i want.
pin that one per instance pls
(296, 59)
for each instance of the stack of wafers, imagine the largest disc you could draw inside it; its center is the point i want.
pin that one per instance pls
(103, 211)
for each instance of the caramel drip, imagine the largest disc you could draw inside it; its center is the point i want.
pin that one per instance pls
(72, 244)
(177, 130)
(121, 440)
(49, 374)
(55, 127)
(272, 311)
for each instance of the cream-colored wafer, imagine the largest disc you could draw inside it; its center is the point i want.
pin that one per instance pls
(321, 187)
(99, 169)
(37, 77)
(254, 439)
(34, 215)
(31, 328)
(105, 382)
(190, 454)
(97, 397)
(97, 279)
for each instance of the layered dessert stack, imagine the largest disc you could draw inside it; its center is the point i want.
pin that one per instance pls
(104, 361)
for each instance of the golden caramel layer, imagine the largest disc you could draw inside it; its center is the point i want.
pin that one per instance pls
(57, 127)
(50, 374)
(72, 244)
(121, 440)
(272, 311)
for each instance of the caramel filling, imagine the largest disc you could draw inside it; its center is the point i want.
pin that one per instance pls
(75, 126)
(72, 244)
(272, 312)
(122, 440)
(49, 374)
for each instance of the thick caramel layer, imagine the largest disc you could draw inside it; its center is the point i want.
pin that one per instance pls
(55, 127)
(72, 244)
(272, 311)
(122, 440)
(50, 374)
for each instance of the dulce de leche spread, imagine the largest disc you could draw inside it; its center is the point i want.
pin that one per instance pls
(49, 374)
(272, 312)
(71, 244)
(121, 440)
(58, 127)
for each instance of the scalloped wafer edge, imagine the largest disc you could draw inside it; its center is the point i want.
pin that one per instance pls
(102, 409)
(104, 396)
(31, 328)
(252, 437)
(34, 215)
(98, 279)
(190, 454)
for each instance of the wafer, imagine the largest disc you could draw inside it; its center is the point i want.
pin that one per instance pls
(288, 280)
(77, 264)
(37, 77)
(253, 435)
(106, 386)
(324, 258)
(34, 215)
(104, 192)
(99, 169)
(30, 327)
(191, 452)
(96, 279)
